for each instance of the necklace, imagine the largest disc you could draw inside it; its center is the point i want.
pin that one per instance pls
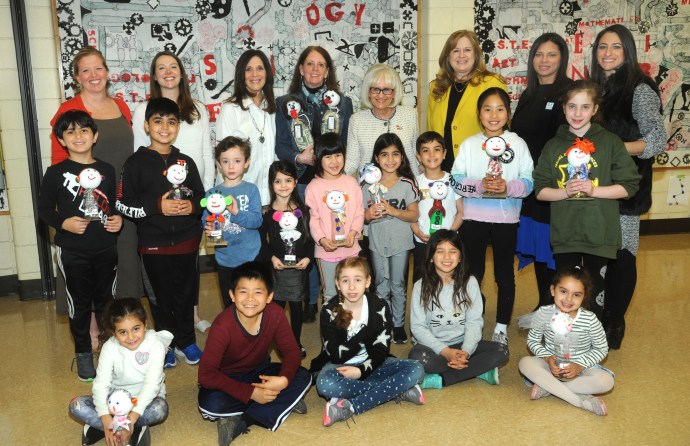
(459, 90)
(263, 126)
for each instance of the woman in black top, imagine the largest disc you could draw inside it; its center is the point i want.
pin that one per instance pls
(538, 115)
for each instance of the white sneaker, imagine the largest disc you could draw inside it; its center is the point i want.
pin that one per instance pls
(501, 338)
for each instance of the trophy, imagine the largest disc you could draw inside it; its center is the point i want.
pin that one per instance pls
(579, 155)
(176, 175)
(299, 126)
(89, 179)
(335, 200)
(371, 175)
(565, 342)
(330, 121)
(499, 151)
(289, 234)
(216, 204)
(438, 190)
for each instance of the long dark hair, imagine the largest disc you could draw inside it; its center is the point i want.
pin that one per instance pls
(502, 94)
(626, 77)
(532, 77)
(431, 281)
(116, 311)
(577, 273)
(240, 91)
(343, 317)
(287, 169)
(188, 109)
(391, 139)
(331, 78)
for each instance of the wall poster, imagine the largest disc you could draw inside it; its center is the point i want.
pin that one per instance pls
(661, 29)
(209, 36)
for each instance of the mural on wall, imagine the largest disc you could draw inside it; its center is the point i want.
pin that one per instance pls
(209, 36)
(661, 29)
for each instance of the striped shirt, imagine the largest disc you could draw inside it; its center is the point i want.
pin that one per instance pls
(590, 346)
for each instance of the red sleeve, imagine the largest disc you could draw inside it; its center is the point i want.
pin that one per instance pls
(210, 373)
(286, 343)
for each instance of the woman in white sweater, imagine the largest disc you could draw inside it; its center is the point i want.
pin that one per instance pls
(382, 113)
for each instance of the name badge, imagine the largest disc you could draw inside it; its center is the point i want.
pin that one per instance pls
(549, 106)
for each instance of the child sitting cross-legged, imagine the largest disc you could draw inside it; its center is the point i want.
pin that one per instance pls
(239, 385)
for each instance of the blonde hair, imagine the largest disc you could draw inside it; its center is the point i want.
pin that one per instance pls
(86, 52)
(446, 76)
(376, 72)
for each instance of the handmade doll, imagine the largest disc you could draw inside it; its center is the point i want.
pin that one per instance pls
(579, 155)
(371, 175)
(176, 175)
(300, 126)
(330, 121)
(496, 148)
(216, 204)
(335, 200)
(562, 325)
(120, 404)
(438, 190)
(289, 234)
(89, 179)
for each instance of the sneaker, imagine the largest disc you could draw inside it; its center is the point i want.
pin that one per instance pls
(525, 321)
(191, 354)
(230, 428)
(491, 376)
(413, 395)
(432, 381)
(300, 407)
(501, 338)
(339, 410)
(303, 351)
(538, 392)
(399, 335)
(91, 435)
(594, 404)
(85, 370)
(170, 360)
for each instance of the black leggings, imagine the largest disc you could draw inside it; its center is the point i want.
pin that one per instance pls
(296, 317)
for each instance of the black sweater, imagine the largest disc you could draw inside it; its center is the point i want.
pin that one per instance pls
(273, 245)
(143, 183)
(62, 197)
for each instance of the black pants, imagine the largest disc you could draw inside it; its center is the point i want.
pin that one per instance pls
(419, 256)
(90, 280)
(173, 281)
(476, 236)
(225, 283)
(593, 264)
(619, 285)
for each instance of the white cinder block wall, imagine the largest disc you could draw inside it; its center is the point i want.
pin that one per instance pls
(18, 251)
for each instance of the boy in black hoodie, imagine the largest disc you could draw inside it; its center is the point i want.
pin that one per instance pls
(168, 225)
(76, 199)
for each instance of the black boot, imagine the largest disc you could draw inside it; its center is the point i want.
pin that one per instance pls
(614, 334)
(309, 313)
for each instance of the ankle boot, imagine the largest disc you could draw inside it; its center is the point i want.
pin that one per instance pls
(614, 334)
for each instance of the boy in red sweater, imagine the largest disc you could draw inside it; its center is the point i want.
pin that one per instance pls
(239, 385)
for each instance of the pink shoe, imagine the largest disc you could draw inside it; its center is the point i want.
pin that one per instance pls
(538, 392)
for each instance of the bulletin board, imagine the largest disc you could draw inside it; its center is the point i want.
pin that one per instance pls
(661, 30)
(210, 35)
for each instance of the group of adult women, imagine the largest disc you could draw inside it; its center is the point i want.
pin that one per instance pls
(630, 108)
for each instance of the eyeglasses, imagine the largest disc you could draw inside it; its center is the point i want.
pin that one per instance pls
(376, 90)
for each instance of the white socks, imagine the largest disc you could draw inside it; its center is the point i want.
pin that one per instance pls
(501, 328)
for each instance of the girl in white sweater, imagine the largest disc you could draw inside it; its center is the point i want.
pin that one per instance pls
(131, 359)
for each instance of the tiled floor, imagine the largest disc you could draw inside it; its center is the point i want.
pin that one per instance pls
(648, 406)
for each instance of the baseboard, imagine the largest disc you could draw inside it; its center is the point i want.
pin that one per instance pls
(9, 285)
(31, 289)
(665, 226)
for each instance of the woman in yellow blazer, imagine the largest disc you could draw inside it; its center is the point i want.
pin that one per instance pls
(462, 77)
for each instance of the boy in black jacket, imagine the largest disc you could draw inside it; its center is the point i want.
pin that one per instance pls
(76, 197)
(168, 226)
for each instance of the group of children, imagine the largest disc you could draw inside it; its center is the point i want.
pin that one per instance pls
(239, 385)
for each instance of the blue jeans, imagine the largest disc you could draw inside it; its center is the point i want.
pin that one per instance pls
(389, 380)
(83, 409)
(391, 283)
